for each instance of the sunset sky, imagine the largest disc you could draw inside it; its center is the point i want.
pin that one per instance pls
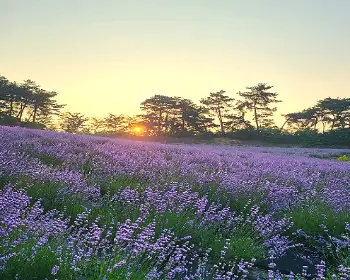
(106, 56)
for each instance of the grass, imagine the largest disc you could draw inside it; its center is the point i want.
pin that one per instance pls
(309, 217)
(4, 180)
(246, 247)
(48, 194)
(243, 241)
(24, 266)
(114, 211)
(45, 158)
(49, 160)
(320, 222)
(238, 201)
(112, 185)
(30, 269)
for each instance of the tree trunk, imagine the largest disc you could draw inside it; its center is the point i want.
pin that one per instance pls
(20, 114)
(205, 128)
(11, 107)
(285, 124)
(316, 122)
(333, 123)
(256, 117)
(160, 122)
(183, 124)
(35, 113)
(166, 122)
(221, 123)
(30, 116)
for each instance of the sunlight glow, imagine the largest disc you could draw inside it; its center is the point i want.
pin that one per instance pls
(137, 130)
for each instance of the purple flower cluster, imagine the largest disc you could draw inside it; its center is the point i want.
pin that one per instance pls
(22, 223)
(200, 184)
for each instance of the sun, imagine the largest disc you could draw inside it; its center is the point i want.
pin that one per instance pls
(137, 130)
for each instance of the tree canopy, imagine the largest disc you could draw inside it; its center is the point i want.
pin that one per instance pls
(27, 102)
(247, 113)
(258, 100)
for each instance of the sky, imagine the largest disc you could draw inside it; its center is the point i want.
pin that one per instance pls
(107, 56)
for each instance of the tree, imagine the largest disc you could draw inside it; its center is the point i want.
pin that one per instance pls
(165, 115)
(26, 94)
(157, 110)
(96, 125)
(305, 119)
(27, 102)
(148, 122)
(43, 105)
(258, 99)
(194, 118)
(335, 111)
(115, 123)
(218, 104)
(135, 125)
(237, 120)
(4, 96)
(186, 117)
(73, 122)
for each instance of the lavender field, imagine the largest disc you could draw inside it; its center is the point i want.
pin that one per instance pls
(86, 207)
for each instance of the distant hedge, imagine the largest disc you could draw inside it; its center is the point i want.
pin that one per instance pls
(306, 138)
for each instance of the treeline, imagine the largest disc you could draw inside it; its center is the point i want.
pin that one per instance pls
(26, 104)
(176, 116)
(248, 116)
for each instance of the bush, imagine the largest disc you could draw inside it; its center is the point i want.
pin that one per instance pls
(8, 120)
(344, 158)
(304, 138)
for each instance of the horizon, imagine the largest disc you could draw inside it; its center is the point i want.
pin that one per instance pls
(113, 55)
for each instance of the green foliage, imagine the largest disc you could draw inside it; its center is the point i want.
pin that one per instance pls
(114, 210)
(310, 216)
(239, 201)
(25, 267)
(258, 100)
(73, 122)
(8, 120)
(26, 104)
(320, 222)
(175, 116)
(246, 247)
(344, 158)
(47, 193)
(244, 242)
(115, 123)
(112, 185)
(303, 138)
(335, 111)
(48, 159)
(331, 112)
(339, 157)
(218, 104)
(137, 269)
